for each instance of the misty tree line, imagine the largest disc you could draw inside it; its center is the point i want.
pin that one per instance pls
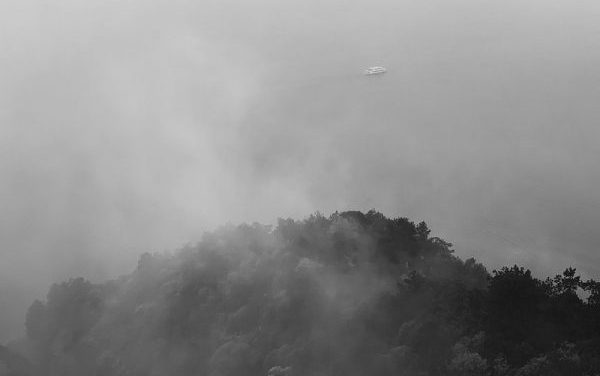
(349, 294)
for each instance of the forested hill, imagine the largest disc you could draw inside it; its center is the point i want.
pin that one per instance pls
(350, 294)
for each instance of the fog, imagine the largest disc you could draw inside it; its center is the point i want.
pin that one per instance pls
(134, 126)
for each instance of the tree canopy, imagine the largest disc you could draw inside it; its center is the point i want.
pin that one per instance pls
(353, 293)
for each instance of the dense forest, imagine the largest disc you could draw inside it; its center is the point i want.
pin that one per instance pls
(350, 294)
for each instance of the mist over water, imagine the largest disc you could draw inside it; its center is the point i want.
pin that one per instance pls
(134, 126)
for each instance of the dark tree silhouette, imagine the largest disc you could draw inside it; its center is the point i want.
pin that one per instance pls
(350, 294)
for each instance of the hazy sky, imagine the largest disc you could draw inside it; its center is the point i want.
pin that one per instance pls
(132, 126)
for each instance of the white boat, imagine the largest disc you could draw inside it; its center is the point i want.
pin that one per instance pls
(374, 70)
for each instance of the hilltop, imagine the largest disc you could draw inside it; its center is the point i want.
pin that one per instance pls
(350, 294)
